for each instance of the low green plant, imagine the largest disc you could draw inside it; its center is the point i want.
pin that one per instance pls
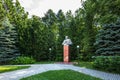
(23, 60)
(107, 63)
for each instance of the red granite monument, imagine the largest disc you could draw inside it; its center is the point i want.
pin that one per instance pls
(66, 44)
(66, 53)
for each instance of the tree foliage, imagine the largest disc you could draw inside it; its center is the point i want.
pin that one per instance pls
(8, 42)
(108, 40)
(36, 36)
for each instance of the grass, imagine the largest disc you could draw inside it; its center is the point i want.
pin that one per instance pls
(11, 68)
(61, 75)
(85, 64)
(90, 66)
(45, 62)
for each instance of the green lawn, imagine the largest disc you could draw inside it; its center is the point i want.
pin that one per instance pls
(45, 62)
(11, 68)
(85, 64)
(61, 75)
(90, 66)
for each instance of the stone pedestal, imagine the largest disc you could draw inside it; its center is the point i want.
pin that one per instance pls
(66, 53)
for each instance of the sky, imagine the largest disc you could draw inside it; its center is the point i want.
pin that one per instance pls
(40, 7)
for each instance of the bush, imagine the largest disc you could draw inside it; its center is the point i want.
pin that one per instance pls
(23, 60)
(107, 63)
(85, 57)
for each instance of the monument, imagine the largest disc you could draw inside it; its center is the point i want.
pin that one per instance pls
(66, 44)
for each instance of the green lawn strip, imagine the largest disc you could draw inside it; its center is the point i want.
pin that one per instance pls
(11, 68)
(85, 64)
(90, 66)
(45, 62)
(61, 75)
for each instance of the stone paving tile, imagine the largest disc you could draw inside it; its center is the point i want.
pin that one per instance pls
(39, 68)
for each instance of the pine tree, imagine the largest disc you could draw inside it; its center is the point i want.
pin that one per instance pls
(8, 42)
(60, 35)
(20, 19)
(89, 12)
(49, 18)
(75, 33)
(108, 40)
(37, 37)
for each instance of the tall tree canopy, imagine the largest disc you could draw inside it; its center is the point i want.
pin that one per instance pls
(42, 38)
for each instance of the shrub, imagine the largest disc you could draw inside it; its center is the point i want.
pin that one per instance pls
(85, 57)
(107, 63)
(23, 60)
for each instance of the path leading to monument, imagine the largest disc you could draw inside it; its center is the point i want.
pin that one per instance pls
(39, 68)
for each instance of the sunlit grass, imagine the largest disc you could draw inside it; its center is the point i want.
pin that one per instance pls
(11, 68)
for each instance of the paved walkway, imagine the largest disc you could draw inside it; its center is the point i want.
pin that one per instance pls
(39, 68)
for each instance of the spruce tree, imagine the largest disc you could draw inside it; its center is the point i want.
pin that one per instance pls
(108, 40)
(8, 42)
